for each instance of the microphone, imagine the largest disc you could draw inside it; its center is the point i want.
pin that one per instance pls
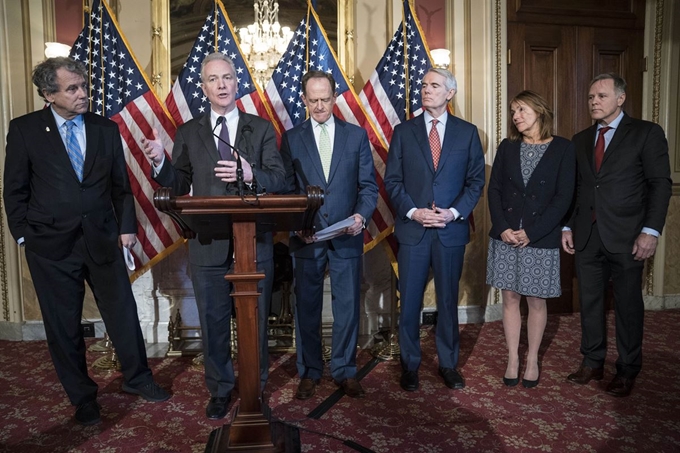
(240, 184)
(247, 132)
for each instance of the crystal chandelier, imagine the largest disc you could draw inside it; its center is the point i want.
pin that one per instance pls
(264, 41)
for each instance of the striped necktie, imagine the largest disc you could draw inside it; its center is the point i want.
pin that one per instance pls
(325, 152)
(73, 149)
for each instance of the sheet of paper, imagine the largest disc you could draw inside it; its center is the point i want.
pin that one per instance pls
(129, 260)
(335, 230)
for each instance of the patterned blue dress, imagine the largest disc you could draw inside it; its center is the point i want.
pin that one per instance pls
(528, 271)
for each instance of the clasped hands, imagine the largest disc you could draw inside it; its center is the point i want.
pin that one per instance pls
(515, 238)
(433, 217)
(225, 170)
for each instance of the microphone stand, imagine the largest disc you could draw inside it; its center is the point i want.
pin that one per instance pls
(240, 183)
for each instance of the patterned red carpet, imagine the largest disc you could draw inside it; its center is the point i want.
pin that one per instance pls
(556, 416)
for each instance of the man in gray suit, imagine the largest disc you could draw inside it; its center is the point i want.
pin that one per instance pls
(327, 152)
(202, 159)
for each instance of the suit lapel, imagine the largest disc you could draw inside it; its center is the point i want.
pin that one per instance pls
(311, 149)
(92, 140)
(339, 147)
(420, 132)
(619, 134)
(240, 140)
(206, 133)
(450, 136)
(54, 138)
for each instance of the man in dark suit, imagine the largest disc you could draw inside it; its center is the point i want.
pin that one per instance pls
(327, 152)
(72, 218)
(434, 176)
(623, 191)
(201, 159)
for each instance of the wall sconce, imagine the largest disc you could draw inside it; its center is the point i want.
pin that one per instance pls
(56, 49)
(441, 57)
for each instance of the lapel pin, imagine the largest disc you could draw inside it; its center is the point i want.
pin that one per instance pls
(47, 129)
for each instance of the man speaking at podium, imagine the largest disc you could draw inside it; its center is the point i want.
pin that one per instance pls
(203, 157)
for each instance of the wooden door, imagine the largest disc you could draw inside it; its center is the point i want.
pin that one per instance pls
(555, 48)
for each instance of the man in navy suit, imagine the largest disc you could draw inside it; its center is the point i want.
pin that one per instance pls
(203, 162)
(69, 203)
(622, 196)
(327, 152)
(434, 176)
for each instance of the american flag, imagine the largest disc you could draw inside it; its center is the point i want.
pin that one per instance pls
(309, 49)
(119, 90)
(392, 93)
(186, 100)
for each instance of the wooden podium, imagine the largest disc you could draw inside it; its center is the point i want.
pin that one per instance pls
(250, 430)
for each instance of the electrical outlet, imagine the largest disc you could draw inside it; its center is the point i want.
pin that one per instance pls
(88, 329)
(429, 318)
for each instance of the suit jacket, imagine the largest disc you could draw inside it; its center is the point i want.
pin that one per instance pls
(194, 158)
(45, 202)
(351, 186)
(632, 189)
(540, 206)
(412, 182)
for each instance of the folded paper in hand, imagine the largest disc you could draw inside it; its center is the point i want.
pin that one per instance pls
(129, 260)
(337, 229)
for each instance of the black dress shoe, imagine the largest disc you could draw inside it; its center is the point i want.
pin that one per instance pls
(510, 382)
(585, 374)
(409, 381)
(217, 407)
(150, 392)
(620, 386)
(452, 378)
(88, 413)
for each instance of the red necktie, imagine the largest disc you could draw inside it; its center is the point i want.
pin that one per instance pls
(435, 144)
(599, 148)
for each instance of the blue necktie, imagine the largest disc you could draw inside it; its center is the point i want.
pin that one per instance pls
(73, 149)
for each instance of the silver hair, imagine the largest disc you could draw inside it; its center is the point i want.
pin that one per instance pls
(216, 56)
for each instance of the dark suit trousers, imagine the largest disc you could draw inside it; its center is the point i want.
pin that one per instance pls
(60, 287)
(594, 267)
(415, 262)
(345, 274)
(215, 308)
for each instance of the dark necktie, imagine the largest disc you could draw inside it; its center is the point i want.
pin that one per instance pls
(225, 151)
(599, 148)
(435, 144)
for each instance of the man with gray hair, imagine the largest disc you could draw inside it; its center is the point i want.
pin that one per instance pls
(69, 204)
(622, 195)
(203, 159)
(434, 176)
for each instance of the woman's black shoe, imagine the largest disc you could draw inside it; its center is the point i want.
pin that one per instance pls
(529, 384)
(511, 382)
